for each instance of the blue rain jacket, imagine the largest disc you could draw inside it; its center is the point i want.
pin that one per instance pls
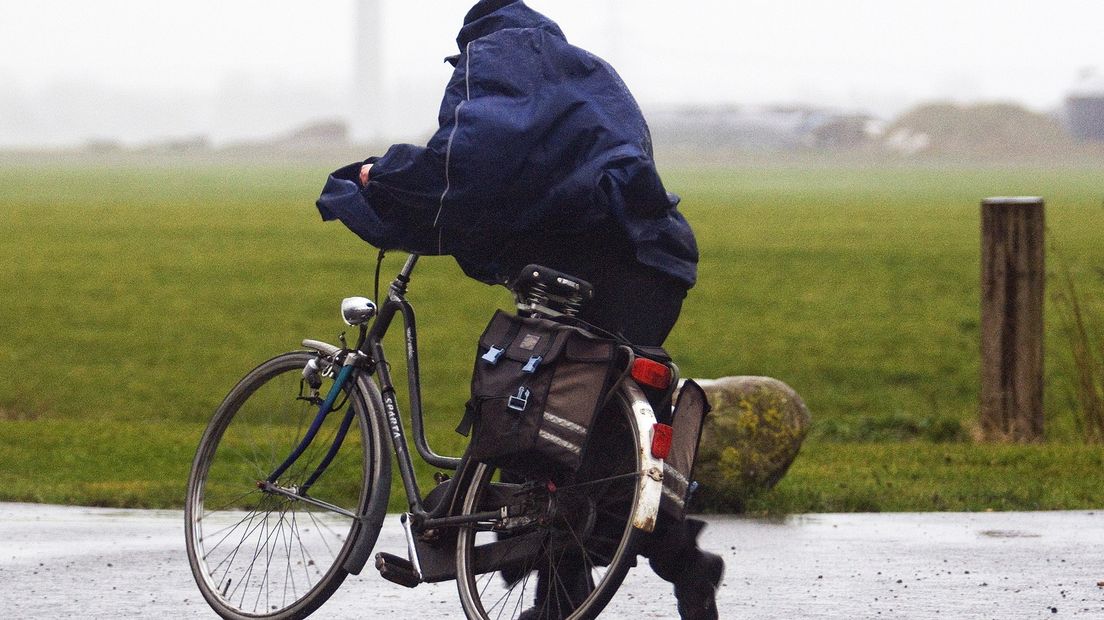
(536, 136)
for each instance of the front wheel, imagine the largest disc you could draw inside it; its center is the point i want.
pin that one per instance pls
(266, 551)
(569, 552)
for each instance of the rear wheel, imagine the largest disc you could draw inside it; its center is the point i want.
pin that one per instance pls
(270, 552)
(570, 546)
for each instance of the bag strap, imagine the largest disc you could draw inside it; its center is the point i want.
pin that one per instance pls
(651, 352)
(465, 426)
(495, 351)
(553, 339)
(575, 321)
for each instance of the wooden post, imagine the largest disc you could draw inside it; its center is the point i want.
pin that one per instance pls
(1012, 281)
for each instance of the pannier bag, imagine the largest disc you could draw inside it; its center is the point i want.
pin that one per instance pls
(536, 389)
(678, 468)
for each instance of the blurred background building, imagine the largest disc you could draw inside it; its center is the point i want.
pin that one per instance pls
(756, 75)
(1085, 107)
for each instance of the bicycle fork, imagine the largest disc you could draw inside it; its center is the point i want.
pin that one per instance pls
(270, 484)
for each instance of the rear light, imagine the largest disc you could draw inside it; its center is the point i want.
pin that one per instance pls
(651, 373)
(661, 440)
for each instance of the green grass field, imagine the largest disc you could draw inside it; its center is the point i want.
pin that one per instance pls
(135, 297)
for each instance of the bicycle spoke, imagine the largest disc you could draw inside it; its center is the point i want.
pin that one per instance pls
(287, 566)
(252, 491)
(262, 587)
(319, 526)
(490, 578)
(273, 554)
(521, 598)
(262, 547)
(249, 570)
(588, 547)
(281, 533)
(229, 530)
(298, 546)
(598, 481)
(278, 530)
(230, 558)
(307, 563)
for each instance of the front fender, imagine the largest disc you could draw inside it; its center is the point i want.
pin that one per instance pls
(375, 508)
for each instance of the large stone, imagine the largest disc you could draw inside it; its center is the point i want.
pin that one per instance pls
(749, 440)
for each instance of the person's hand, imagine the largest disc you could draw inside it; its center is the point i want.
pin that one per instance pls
(364, 174)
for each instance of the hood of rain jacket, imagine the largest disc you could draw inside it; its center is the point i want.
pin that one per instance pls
(536, 136)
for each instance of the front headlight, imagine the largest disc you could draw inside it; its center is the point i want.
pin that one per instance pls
(357, 310)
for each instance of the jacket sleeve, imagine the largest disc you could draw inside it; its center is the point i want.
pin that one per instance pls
(399, 206)
(388, 214)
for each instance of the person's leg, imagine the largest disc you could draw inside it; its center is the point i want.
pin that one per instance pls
(569, 584)
(562, 583)
(634, 301)
(674, 554)
(643, 305)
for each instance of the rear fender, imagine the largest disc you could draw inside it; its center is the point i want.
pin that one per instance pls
(651, 468)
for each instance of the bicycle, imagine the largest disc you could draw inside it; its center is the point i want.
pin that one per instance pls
(290, 485)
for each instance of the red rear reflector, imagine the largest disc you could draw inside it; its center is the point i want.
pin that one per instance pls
(651, 373)
(661, 440)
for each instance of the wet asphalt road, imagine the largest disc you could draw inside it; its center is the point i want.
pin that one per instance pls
(70, 562)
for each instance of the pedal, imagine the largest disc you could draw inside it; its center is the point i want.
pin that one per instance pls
(397, 570)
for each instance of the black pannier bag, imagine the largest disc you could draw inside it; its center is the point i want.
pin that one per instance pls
(536, 389)
(678, 468)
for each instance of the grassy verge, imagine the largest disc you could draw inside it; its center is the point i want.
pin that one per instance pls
(136, 297)
(145, 465)
(106, 463)
(920, 476)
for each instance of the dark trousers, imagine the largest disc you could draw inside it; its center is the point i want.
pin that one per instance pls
(641, 304)
(631, 299)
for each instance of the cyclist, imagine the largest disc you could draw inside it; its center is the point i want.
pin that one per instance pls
(542, 156)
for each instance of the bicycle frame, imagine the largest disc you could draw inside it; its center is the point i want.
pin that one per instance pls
(372, 346)
(464, 528)
(369, 357)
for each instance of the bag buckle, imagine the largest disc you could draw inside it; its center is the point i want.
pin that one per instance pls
(519, 401)
(492, 355)
(531, 366)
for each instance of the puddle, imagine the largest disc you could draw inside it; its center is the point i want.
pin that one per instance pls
(1008, 534)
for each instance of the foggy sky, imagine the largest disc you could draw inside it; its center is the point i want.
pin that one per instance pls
(138, 71)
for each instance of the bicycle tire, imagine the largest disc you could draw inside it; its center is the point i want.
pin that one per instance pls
(607, 490)
(237, 534)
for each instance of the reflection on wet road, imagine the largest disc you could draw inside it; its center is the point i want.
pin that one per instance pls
(103, 563)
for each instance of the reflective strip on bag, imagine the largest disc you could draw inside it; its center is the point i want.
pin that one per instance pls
(674, 497)
(563, 443)
(567, 425)
(676, 475)
(675, 485)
